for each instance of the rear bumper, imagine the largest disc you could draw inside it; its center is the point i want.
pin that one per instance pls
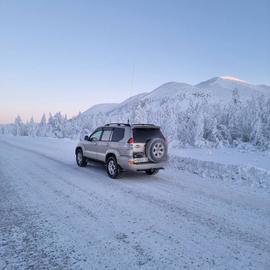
(128, 164)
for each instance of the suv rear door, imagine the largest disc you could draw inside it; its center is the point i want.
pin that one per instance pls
(104, 143)
(142, 135)
(117, 144)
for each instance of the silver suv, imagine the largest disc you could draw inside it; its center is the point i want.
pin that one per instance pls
(138, 147)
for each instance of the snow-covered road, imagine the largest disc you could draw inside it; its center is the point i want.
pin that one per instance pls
(54, 215)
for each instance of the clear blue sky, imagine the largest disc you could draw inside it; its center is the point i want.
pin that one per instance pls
(68, 55)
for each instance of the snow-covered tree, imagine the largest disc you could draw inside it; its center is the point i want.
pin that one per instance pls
(42, 127)
(193, 121)
(56, 125)
(31, 128)
(19, 129)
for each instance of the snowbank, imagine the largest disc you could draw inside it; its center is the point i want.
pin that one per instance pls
(244, 174)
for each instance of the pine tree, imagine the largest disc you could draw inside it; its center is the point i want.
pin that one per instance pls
(19, 127)
(31, 127)
(42, 126)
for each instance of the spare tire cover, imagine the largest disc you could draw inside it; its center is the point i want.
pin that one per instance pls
(156, 150)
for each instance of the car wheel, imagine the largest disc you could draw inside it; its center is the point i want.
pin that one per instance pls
(156, 150)
(152, 171)
(112, 167)
(80, 159)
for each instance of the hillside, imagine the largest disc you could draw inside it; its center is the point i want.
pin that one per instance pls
(215, 90)
(219, 111)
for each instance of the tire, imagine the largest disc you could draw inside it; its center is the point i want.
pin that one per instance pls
(112, 167)
(152, 171)
(156, 150)
(80, 159)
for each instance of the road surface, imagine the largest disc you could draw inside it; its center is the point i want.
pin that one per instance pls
(55, 215)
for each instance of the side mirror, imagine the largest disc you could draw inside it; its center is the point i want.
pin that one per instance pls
(86, 138)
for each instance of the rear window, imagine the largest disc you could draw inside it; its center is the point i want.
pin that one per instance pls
(118, 134)
(141, 135)
(106, 135)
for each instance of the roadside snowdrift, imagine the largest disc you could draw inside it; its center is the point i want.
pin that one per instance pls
(252, 169)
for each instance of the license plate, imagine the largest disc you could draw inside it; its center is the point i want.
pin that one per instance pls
(140, 160)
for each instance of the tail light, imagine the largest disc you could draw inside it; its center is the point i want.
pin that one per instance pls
(130, 141)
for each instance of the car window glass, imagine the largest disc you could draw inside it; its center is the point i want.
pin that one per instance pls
(118, 134)
(142, 135)
(96, 136)
(106, 135)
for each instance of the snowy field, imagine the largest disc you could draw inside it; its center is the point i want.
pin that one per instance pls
(55, 215)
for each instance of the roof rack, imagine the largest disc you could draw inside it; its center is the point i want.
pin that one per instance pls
(151, 125)
(117, 124)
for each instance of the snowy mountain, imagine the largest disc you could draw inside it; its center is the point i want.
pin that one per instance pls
(223, 110)
(100, 108)
(220, 88)
(215, 90)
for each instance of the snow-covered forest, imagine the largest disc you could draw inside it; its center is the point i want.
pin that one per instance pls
(190, 115)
